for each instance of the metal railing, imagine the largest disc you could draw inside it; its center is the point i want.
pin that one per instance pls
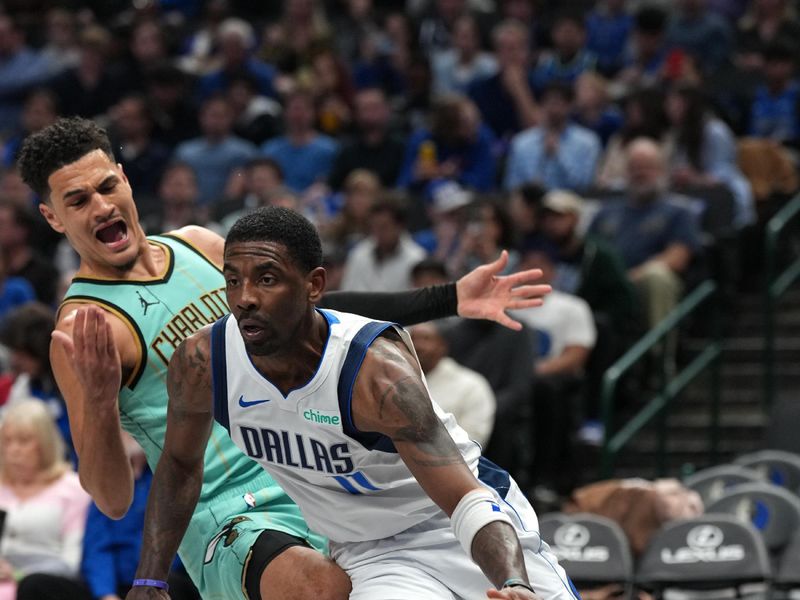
(775, 285)
(671, 385)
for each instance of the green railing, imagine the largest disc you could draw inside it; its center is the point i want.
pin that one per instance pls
(671, 384)
(775, 285)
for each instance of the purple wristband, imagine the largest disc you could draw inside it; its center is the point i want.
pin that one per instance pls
(156, 583)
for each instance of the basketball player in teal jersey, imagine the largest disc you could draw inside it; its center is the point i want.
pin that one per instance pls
(133, 300)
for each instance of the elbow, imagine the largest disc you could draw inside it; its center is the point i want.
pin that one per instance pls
(114, 509)
(112, 503)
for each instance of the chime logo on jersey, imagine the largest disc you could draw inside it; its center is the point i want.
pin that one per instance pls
(296, 450)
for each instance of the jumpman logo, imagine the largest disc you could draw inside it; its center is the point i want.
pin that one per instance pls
(145, 304)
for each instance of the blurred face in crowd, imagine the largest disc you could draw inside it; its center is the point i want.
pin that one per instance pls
(646, 170)
(179, 187)
(147, 44)
(536, 259)
(60, 28)
(299, 113)
(559, 226)
(372, 110)
(778, 71)
(429, 344)
(523, 215)
(359, 9)
(39, 112)
(130, 117)
(676, 106)
(385, 231)
(450, 9)
(511, 46)
(233, 48)
(556, 109)
(14, 190)
(216, 119)
(647, 43)
(10, 38)
(568, 37)
(521, 10)
(466, 39)
(12, 235)
(21, 455)
(263, 179)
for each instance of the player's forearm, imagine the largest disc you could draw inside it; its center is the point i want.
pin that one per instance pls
(103, 465)
(407, 308)
(497, 551)
(172, 499)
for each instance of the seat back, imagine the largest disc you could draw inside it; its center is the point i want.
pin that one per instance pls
(776, 466)
(712, 483)
(707, 552)
(788, 572)
(773, 511)
(592, 549)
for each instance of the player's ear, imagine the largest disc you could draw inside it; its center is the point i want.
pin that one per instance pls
(50, 216)
(315, 281)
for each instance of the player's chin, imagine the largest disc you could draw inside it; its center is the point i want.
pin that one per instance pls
(260, 348)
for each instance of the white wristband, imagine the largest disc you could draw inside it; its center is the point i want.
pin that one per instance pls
(476, 509)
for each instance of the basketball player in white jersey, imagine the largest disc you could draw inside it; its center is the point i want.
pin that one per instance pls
(335, 407)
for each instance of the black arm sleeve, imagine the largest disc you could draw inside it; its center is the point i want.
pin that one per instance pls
(405, 308)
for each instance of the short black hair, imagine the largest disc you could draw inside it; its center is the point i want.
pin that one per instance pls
(430, 265)
(651, 19)
(27, 329)
(284, 226)
(62, 143)
(559, 88)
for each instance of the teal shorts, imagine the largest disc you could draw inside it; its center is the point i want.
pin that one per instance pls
(220, 537)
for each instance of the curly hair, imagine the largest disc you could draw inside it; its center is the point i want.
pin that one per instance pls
(284, 226)
(62, 143)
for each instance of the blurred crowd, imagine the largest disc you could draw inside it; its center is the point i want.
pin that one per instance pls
(629, 149)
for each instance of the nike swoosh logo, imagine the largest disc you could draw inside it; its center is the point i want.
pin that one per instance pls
(245, 404)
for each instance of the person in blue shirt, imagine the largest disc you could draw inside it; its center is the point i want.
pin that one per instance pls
(557, 154)
(774, 112)
(463, 148)
(607, 31)
(569, 58)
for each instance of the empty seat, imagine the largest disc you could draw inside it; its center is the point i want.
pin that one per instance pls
(712, 483)
(776, 466)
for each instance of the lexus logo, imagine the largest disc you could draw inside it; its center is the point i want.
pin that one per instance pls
(571, 535)
(704, 537)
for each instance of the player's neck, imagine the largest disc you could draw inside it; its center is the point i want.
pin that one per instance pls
(294, 366)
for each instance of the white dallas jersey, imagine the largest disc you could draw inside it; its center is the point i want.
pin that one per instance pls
(350, 485)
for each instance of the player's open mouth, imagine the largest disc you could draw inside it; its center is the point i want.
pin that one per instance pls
(113, 234)
(252, 330)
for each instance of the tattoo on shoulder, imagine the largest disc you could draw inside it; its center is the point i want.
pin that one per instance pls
(189, 367)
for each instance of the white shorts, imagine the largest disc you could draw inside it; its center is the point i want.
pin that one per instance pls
(426, 562)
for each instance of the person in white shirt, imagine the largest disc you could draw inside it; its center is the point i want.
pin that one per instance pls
(458, 390)
(383, 261)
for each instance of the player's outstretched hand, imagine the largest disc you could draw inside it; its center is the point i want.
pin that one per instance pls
(92, 352)
(517, 593)
(147, 593)
(485, 294)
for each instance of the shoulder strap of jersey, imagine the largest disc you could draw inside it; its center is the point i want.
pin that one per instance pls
(219, 373)
(347, 379)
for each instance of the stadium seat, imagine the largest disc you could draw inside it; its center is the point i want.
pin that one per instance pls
(772, 510)
(711, 552)
(776, 466)
(592, 549)
(787, 576)
(712, 483)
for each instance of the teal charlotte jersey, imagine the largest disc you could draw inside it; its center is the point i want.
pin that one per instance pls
(238, 499)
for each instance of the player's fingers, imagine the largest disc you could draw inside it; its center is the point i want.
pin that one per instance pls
(64, 340)
(111, 348)
(79, 331)
(101, 339)
(523, 277)
(524, 303)
(498, 265)
(507, 321)
(531, 291)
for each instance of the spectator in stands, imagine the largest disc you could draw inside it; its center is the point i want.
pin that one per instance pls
(217, 153)
(173, 112)
(586, 267)
(488, 233)
(557, 153)
(384, 260)
(330, 83)
(646, 56)
(704, 35)
(258, 179)
(142, 158)
(304, 155)
(449, 215)
(565, 337)
(288, 43)
(765, 22)
(645, 116)
(436, 28)
(457, 147)
(177, 205)
(14, 292)
(655, 237)
(525, 208)
(20, 256)
(456, 389)
(774, 113)
(358, 22)
(456, 68)
(111, 547)
(21, 70)
(593, 109)
(91, 87)
(351, 224)
(147, 48)
(607, 29)
(236, 41)
(506, 99)
(39, 111)
(257, 116)
(569, 57)
(61, 38)
(704, 151)
(373, 147)
(45, 509)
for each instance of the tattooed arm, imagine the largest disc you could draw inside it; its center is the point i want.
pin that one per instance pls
(179, 476)
(389, 397)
